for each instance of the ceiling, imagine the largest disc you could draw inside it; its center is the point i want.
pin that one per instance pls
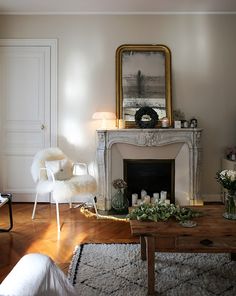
(116, 6)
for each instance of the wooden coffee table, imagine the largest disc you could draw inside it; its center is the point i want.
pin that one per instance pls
(213, 234)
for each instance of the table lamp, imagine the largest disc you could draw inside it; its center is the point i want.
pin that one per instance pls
(104, 116)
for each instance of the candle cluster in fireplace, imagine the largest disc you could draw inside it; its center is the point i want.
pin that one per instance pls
(145, 198)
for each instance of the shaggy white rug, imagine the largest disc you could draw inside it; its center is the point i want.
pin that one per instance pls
(117, 270)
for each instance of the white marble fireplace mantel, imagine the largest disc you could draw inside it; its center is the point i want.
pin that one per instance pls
(145, 138)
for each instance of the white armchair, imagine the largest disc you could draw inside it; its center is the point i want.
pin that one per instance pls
(55, 173)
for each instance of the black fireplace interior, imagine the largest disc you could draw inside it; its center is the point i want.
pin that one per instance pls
(152, 175)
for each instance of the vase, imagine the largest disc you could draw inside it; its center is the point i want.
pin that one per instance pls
(230, 205)
(119, 202)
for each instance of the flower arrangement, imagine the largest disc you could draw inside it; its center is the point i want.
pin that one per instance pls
(162, 212)
(178, 115)
(119, 184)
(227, 178)
(230, 152)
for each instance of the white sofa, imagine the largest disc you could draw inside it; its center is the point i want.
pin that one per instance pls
(36, 275)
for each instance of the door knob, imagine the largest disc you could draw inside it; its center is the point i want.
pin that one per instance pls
(42, 127)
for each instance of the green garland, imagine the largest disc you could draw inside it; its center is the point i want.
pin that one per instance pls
(162, 212)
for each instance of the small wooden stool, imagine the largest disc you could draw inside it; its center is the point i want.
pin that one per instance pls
(5, 198)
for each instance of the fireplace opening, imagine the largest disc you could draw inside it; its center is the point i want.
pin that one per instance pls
(152, 175)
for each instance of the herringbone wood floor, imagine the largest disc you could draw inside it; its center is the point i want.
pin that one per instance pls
(40, 235)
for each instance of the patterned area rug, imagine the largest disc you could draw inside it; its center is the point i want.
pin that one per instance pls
(117, 270)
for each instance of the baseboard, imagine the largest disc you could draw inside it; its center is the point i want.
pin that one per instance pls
(211, 197)
(28, 197)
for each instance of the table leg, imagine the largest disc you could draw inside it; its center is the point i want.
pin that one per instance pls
(8, 196)
(10, 214)
(150, 241)
(143, 248)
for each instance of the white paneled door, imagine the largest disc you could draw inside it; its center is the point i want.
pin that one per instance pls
(27, 101)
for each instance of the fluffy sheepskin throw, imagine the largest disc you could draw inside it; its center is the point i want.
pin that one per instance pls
(62, 190)
(39, 161)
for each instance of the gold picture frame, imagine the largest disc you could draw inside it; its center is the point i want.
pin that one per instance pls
(143, 79)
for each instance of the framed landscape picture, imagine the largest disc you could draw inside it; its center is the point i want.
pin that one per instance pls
(143, 79)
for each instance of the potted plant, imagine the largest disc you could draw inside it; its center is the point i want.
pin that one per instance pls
(119, 202)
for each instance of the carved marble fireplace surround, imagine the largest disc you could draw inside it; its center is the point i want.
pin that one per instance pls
(183, 145)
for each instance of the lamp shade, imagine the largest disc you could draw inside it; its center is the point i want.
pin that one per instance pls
(104, 115)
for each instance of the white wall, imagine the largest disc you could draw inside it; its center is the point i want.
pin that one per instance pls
(203, 72)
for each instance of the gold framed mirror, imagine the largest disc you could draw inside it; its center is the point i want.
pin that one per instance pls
(143, 79)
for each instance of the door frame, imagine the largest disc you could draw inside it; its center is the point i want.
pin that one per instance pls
(52, 44)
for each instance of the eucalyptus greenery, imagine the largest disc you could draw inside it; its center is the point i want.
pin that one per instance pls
(162, 212)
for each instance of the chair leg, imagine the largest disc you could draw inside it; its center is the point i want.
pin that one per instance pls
(70, 203)
(95, 206)
(35, 204)
(58, 218)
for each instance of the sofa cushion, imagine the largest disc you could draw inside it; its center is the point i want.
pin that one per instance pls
(36, 275)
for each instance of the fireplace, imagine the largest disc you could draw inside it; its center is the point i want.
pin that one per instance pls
(180, 145)
(152, 175)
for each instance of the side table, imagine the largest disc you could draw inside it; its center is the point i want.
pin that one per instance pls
(5, 198)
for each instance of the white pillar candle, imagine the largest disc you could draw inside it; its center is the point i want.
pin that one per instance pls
(163, 196)
(143, 194)
(139, 202)
(156, 196)
(147, 199)
(167, 202)
(134, 199)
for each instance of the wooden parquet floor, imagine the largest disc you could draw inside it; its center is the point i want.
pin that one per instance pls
(40, 235)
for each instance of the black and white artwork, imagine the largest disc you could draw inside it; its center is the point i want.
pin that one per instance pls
(143, 82)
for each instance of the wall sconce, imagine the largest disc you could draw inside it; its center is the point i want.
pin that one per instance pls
(104, 116)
